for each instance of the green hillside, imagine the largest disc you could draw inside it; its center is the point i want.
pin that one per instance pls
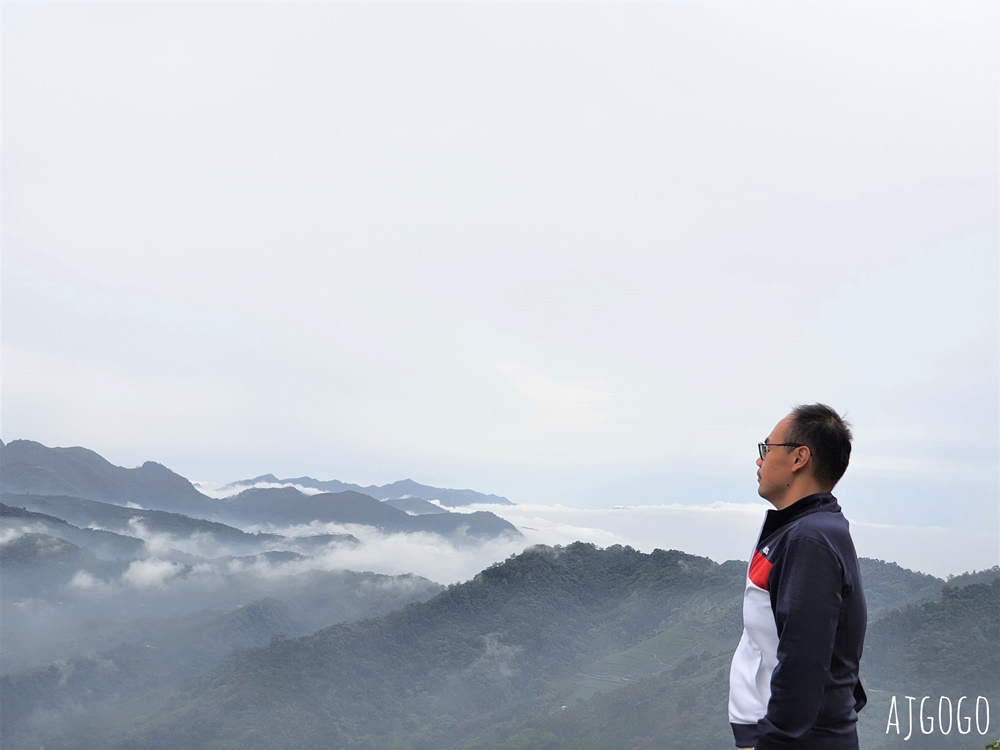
(945, 648)
(924, 649)
(566, 647)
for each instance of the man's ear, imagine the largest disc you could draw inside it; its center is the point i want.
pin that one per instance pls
(802, 458)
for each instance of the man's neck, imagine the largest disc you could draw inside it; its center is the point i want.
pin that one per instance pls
(795, 492)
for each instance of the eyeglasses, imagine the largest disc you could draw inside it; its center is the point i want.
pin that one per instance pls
(763, 448)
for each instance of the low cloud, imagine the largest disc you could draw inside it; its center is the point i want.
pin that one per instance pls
(150, 573)
(727, 531)
(720, 531)
(497, 658)
(10, 534)
(84, 581)
(424, 554)
(200, 543)
(229, 490)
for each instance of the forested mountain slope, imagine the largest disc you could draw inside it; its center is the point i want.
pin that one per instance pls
(490, 645)
(946, 647)
(156, 650)
(557, 647)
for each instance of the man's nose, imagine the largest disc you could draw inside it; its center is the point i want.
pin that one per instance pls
(759, 462)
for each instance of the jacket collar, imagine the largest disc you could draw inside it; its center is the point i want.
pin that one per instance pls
(776, 519)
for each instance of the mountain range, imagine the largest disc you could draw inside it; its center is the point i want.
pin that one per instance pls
(58, 480)
(289, 506)
(140, 613)
(565, 647)
(404, 488)
(30, 467)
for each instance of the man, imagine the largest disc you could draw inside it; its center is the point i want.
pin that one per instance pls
(794, 678)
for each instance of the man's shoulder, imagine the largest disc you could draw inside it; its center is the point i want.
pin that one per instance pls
(829, 530)
(824, 526)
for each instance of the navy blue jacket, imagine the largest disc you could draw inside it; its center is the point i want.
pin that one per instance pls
(794, 681)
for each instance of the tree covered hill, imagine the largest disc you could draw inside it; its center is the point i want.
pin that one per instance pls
(946, 648)
(888, 586)
(573, 647)
(943, 647)
(106, 545)
(485, 646)
(163, 648)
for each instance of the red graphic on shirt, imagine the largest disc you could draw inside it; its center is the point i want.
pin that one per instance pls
(760, 567)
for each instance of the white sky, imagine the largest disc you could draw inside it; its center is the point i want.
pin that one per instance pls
(578, 253)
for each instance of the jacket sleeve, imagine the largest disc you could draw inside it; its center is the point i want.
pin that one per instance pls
(807, 595)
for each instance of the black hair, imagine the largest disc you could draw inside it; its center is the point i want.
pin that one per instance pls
(828, 437)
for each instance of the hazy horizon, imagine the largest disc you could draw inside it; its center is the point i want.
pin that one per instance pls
(719, 530)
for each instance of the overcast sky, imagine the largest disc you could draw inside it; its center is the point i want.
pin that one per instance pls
(574, 253)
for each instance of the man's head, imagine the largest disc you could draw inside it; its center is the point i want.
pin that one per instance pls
(806, 452)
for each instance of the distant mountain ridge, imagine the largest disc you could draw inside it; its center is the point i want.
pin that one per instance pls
(87, 513)
(404, 488)
(287, 505)
(106, 545)
(32, 475)
(33, 468)
(415, 506)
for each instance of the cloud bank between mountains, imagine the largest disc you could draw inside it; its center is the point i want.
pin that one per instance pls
(182, 575)
(720, 531)
(727, 531)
